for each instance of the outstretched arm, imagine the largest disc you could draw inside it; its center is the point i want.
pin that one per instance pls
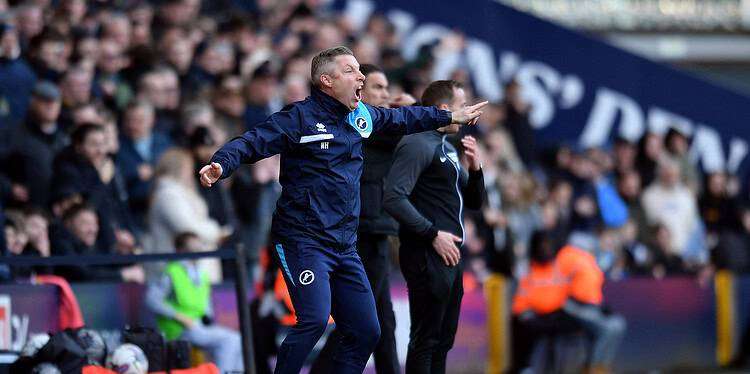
(268, 138)
(413, 119)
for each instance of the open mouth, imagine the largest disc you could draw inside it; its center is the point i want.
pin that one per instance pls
(358, 93)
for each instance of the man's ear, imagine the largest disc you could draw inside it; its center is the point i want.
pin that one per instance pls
(326, 81)
(443, 106)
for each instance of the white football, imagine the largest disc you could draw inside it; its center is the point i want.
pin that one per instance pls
(34, 344)
(93, 344)
(128, 359)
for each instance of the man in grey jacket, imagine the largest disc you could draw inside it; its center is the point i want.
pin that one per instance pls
(426, 190)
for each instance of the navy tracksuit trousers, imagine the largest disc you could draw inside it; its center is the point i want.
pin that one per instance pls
(322, 282)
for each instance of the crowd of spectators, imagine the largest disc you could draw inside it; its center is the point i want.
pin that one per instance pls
(107, 107)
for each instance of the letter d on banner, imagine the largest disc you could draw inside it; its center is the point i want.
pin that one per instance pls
(603, 114)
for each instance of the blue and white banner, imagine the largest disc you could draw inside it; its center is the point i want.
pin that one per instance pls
(581, 89)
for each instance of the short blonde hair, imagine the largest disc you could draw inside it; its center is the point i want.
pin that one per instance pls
(321, 61)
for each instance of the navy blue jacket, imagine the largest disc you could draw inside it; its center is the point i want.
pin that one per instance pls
(16, 82)
(320, 142)
(128, 160)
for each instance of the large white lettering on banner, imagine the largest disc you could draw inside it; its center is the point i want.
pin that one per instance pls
(550, 91)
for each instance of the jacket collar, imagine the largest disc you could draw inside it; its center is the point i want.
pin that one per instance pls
(329, 103)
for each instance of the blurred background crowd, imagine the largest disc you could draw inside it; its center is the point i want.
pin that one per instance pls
(107, 108)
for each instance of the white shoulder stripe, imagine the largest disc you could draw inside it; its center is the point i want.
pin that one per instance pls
(314, 138)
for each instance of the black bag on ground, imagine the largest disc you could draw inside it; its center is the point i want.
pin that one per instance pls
(63, 351)
(151, 342)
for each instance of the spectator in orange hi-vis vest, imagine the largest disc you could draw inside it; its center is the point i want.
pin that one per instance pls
(539, 301)
(585, 277)
(585, 306)
(563, 293)
(543, 291)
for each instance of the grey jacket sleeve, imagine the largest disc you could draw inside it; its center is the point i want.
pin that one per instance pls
(157, 294)
(209, 312)
(411, 158)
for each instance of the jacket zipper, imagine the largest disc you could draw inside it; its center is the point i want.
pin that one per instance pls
(350, 183)
(458, 190)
